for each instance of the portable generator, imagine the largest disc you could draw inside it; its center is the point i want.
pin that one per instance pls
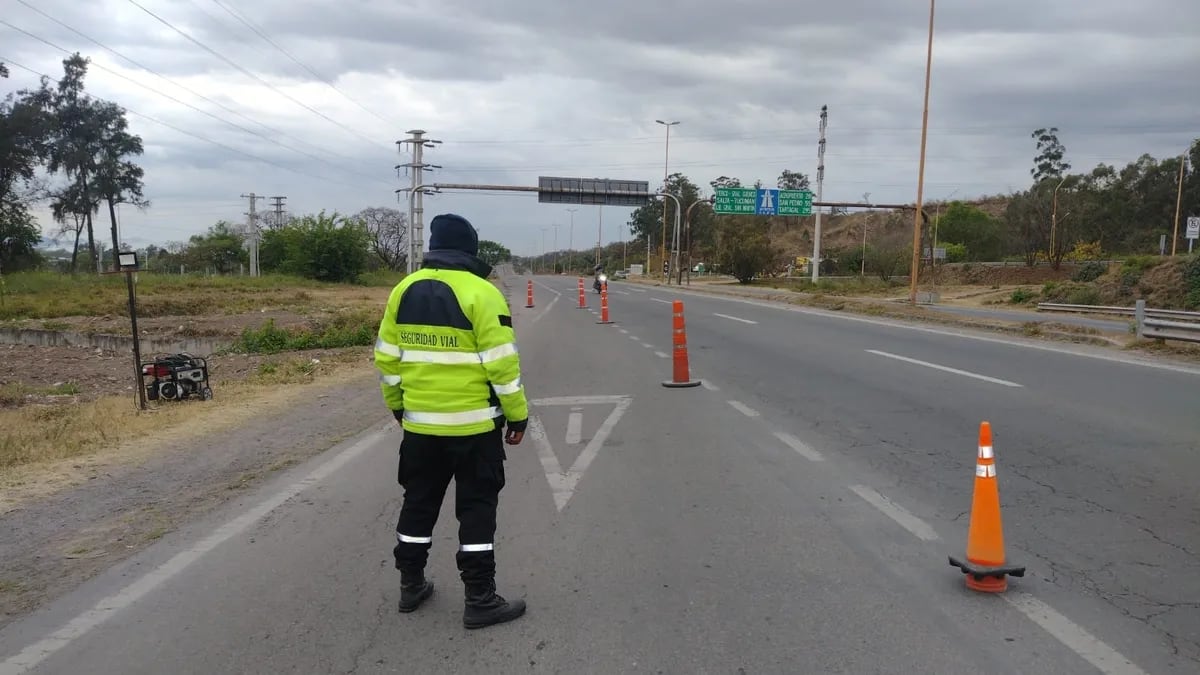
(176, 377)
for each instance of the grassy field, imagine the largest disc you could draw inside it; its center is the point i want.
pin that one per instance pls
(284, 331)
(49, 295)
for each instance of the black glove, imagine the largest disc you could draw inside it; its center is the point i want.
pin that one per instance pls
(518, 426)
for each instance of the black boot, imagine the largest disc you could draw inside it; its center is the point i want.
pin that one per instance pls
(485, 608)
(414, 590)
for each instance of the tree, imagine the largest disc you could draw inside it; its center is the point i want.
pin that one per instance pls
(323, 247)
(118, 180)
(970, 226)
(646, 221)
(493, 253)
(387, 230)
(792, 180)
(725, 182)
(25, 127)
(221, 248)
(745, 250)
(1049, 162)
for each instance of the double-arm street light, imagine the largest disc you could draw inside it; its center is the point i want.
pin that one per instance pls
(666, 164)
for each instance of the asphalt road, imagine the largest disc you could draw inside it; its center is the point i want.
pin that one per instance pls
(792, 515)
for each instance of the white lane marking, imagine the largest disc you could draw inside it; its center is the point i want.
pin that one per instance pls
(908, 521)
(538, 283)
(105, 609)
(574, 427)
(638, 290)
(623, 331)
(622, 292)
(743, 408)
(956, 371)
(635, 338)
(1023, 343)
(1106, 659)
(665, 302)
(546, 311)
(733, 318)
(661, 355)
(709, 385)
(562, 484)
(799, 446)
(647, 345)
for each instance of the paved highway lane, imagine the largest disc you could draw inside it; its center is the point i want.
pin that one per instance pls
(1096, 457)
(652, 530)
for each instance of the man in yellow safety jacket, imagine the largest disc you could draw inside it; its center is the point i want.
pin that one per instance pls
(451, 375)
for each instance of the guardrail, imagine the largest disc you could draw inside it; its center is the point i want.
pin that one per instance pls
(1122, 311)
(1164, 329)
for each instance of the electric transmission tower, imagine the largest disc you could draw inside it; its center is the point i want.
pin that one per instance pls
(253, 232)
(416, 170)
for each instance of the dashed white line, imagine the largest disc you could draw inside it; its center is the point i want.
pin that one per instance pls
(665, 302)
(799, 446)
(743, 408)
(661, 355)
(638, 290)
(919, 528)
(733, 318)
(635, 338)
(1083, 643)
(623, 331)
(956, 371)
(709, 385)
(647, 345)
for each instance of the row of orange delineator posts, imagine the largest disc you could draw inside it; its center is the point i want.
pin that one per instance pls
(985, 567)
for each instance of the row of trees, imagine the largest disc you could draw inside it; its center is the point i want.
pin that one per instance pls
(55, 131)
(1106, 211)
(327, 247)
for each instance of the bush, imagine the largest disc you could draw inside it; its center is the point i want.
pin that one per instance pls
(1022, 296)
(348, 329)
(1084, 296)
(1090, 271)
(1191, 282)
(1141, 263)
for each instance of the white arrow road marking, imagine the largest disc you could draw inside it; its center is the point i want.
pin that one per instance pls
(575, 427)
(562, 484)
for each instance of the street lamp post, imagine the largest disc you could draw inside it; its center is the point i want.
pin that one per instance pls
(544, 229)
(666, 164)
(555, 270)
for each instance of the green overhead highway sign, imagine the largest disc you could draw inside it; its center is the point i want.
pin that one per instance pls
(763, 202)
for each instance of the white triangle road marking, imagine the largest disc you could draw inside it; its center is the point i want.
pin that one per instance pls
(563, 484)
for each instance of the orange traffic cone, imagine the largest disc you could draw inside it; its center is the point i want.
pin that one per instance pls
(680, 375)
(529, 295)
(582, 296)
(604, 303)
(985, 565)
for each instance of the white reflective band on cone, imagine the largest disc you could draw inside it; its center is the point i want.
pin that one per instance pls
(985, 470)
(414, 540)
(985, 452)
(446, 419)
(475, 548)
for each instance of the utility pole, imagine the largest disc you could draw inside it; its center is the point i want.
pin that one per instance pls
(666, 163)
(863, 272)
(417, 168)
(918, 213)
(1178, 204)
(278, 207)
(556, 226)
(571, 241)
(252, 230)
(816, 259)
(600, 230)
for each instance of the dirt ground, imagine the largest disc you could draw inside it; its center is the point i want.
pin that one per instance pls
(208, 325)
(66, 521)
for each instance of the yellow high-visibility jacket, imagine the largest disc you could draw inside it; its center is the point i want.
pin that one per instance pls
(446, 350)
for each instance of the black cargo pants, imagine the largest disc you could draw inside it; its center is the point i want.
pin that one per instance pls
(427, 463)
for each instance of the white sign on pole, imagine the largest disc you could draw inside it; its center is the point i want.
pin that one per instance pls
(1193, 227)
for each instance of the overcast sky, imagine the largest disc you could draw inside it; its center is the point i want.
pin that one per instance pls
(521, 88)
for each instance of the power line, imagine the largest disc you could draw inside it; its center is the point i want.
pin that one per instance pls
(196, 136)
(168, 79)
(249, 24)
(217, 54)
(189, 105)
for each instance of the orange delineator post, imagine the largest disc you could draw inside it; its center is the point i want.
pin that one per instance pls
(604, 303)
(680, 375)
(582, 296)
(985, 566)
(529, 295)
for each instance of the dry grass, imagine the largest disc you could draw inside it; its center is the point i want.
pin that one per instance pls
(47, 295)
(41, 435)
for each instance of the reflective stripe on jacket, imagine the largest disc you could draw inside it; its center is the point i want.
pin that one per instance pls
(446, 350)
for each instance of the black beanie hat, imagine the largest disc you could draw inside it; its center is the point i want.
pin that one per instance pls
(451, 231)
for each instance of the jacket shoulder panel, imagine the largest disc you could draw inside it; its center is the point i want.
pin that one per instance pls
(432, 302)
